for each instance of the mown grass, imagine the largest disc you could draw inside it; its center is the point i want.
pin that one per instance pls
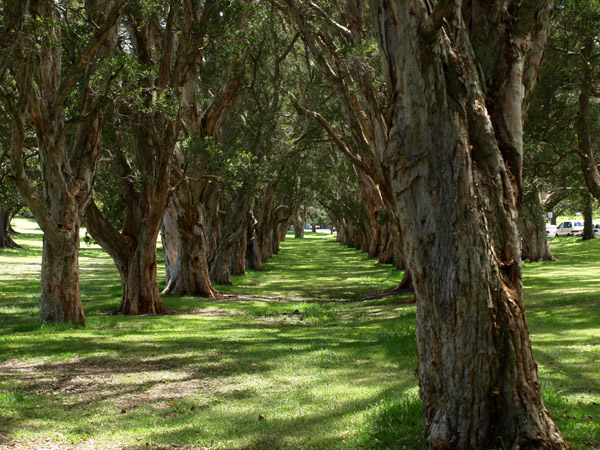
(261, 371)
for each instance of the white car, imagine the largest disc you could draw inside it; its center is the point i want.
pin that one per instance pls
(570, 228)
(551, 231)
(597, 230)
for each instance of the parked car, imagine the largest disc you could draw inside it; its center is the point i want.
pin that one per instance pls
(570, 228)
(597, 230)
(551, 230)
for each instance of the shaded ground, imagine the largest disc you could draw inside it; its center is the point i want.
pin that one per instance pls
(258, 368)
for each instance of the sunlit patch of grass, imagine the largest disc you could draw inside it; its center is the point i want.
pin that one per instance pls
(326, 271)
(255, 370)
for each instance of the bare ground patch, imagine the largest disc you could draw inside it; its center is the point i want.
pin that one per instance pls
(126, 384)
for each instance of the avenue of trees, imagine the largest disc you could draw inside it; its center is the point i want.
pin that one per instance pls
(218, 124)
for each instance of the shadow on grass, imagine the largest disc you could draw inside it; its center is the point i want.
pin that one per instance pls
(205, 368)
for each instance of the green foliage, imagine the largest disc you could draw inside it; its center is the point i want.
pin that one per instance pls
(551, 160)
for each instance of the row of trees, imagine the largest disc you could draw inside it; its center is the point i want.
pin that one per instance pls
(216, 122)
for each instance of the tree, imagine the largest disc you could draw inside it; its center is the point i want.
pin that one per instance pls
(9, 203)
(160, 48)
(461, 76)
(9, 195)
(534, 240)
(55, 87)
(191, 229)
(574, 48)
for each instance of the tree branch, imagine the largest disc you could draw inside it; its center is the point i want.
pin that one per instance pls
(434, 22)
(73, 75)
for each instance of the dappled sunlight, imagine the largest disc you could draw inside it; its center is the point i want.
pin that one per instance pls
(286, 358)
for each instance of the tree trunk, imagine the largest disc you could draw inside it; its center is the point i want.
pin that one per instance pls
(455, 146)
(61, 299)
(139, 280)
(237, 263)
(186, 249)
(588, 219)
(11, 216)
(236, 222)
(299, 221)
(253, 251)
(134, 254)
(534, 239)
(6, 240)
(67, 160)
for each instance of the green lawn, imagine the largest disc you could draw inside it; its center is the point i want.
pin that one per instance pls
(274, 364)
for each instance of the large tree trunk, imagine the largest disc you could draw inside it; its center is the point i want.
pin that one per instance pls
(455, 146)
(6, 240)
(237, 262)
(68, 160)
(139, 280)
(134, 254)
(534, 240)
(186, 249)
(61, 299)
(236, 221)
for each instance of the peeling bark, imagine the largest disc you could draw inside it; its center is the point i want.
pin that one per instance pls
(234, 230)
(455, 146)
(187, 264)
(68, 159)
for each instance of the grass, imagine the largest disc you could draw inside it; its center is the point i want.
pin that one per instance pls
(281, 363)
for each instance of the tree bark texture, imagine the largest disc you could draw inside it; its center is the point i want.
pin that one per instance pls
(461, 74)
(6, 240)
(187, 261)
(534, 239)
(237, 262)
(68, 160)
(253, 251)
(234, 230)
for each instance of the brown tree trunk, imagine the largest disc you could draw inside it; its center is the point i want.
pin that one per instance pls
(253, 251)
(534, 240)
(139, 280)
(237, 264)
(588, 219)
(455, 146)
(61, 299)
(68, 160)
(6, 240)
(299, 221)
(134, 254)
(233, 232)
(186, 249)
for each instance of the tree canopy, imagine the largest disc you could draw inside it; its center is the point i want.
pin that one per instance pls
(412, 128)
